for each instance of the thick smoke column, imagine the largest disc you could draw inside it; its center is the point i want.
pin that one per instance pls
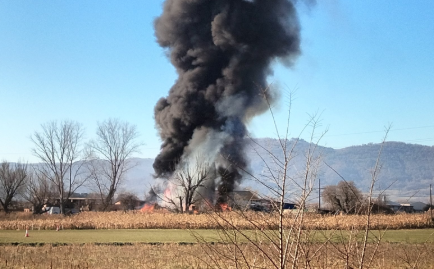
(222, 51)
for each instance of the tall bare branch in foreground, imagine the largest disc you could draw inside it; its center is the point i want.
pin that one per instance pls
(280, 240)
(374, 178)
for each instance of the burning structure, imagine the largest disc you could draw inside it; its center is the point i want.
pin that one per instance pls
(222, 51)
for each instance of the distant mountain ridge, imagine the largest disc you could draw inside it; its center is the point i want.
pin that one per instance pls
(407, 169)
(405, 166)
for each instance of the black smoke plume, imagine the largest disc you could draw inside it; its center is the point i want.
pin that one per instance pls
(222, 51)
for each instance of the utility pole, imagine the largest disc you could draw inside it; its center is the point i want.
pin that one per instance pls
(319, 193)
(430, 200)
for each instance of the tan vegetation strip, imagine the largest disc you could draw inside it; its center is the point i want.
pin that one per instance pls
(250, 220)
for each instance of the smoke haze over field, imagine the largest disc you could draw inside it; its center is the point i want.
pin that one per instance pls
(222, 51)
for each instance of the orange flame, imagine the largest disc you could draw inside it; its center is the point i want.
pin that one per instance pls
(167, 193)
(192, 209)
(225, 207)
(147, 208)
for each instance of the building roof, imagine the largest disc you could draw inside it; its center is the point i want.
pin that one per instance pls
(245, 195)
(418, 205)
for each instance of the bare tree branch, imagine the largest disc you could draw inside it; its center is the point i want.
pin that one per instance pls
(108, 157)
(13, 179)
(58, 146)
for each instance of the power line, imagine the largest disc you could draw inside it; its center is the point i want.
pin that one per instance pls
(382, 131)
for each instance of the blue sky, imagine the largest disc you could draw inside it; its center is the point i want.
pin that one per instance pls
(365, 64)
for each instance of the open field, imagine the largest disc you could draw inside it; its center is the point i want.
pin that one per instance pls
(165, 240)
(103, 256)
(105, 236)
(166, 220)
(190, 256)
(152, 236)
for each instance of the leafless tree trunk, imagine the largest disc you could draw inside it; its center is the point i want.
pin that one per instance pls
(186, 183)
(58, 148)
(13, 178)
(109, 155)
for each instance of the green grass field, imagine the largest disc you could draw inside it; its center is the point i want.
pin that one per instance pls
(105, 236)
(164, 248)
(171, 236)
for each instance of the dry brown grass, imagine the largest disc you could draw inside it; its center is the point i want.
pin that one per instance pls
(166, 220)
(99, 256)
(190, 256)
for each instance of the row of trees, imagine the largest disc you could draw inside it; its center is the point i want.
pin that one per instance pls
(67, 163)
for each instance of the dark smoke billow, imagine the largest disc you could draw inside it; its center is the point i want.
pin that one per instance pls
(222, 51)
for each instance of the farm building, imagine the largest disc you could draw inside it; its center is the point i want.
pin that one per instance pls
(397, 207)
(241, 199)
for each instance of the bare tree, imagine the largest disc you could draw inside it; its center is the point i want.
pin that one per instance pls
(58, 146)
(344, 196)
(13, 178)
(38, 191)
(109, 156)
(128, 200)
(186, 183)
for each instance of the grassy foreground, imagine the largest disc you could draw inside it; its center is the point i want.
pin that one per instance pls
(189, 256)
(105, 236)
(177, 236)
(162, 240)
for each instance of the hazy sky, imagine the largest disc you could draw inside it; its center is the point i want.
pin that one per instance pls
(364, 65)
